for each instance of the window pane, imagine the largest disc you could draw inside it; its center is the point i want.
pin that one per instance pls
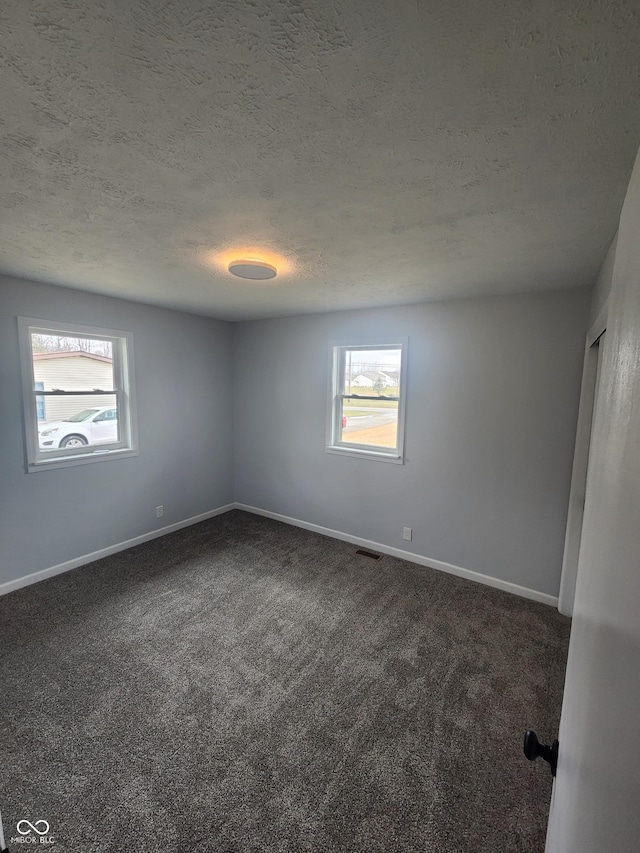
(372, 372)
(369, 422)
(71, 364)
(65, 363)
(86, 427)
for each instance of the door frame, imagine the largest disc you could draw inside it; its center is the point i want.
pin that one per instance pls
(578, 488)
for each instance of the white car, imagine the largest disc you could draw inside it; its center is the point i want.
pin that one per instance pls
(90, 426)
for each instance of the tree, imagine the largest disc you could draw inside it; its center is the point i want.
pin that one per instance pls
(56, 343)
(379, 385)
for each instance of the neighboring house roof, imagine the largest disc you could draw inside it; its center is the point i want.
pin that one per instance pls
(38, 356)
(373, 375)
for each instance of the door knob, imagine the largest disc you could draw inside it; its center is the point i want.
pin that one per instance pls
(534, 749)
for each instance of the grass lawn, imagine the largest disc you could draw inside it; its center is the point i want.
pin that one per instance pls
(368, 404)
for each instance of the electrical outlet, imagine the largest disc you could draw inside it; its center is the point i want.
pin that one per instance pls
(407, 533)
(159, 511)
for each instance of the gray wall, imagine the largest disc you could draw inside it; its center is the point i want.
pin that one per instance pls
(184, 391)
(493, 387)
(492, 399)
(597, 789)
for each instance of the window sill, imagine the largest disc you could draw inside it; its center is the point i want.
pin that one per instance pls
(375, 455)
(84, 459)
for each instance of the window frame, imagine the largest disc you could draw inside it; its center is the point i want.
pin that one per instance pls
(123, 390)
(337, 351)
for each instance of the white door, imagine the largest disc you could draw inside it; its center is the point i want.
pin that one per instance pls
(595, 806)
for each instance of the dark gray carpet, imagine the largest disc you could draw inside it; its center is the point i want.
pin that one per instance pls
(242, 685)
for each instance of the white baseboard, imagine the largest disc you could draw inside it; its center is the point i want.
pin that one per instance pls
(507, 586)
(497, 583)
(10, 586)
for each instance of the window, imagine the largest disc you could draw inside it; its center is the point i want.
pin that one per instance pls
(78, 393)
(366, 410)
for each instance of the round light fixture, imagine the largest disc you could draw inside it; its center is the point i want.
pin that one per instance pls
(252, 269)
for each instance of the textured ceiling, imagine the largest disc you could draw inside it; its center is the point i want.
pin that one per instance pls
(390, 152)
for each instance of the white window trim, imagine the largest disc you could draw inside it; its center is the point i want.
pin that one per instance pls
(396, 455)
(123, 366)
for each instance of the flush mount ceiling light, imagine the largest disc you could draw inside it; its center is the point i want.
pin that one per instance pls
(252, 269)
